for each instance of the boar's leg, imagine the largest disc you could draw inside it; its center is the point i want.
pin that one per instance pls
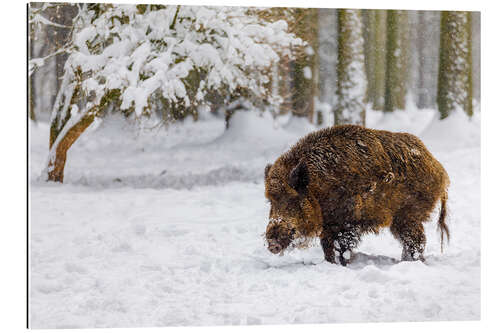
(347, 240)
(340, 243)
(412, 236)
(327, 241)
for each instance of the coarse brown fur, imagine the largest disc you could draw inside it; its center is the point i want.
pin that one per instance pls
(342, 182)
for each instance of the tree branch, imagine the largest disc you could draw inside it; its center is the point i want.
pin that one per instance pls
(36, 63)
(175, 17)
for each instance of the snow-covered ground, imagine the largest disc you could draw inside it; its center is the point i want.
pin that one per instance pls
(156, 228)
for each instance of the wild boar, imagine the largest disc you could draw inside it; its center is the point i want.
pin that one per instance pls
(342, 182)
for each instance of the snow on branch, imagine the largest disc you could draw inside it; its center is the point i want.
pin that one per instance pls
(36, 63)
(40, 19)
(181, 52)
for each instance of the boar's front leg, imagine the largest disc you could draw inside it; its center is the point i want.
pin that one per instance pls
(346, 241)
(327, 243)
(340, 243)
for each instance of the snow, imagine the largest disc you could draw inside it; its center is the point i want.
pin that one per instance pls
(307, 73)
(232, 46)
(156, 228)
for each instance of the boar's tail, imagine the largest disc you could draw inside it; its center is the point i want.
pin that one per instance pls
(442, 226)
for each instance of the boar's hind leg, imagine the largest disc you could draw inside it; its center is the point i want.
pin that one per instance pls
(411, 235)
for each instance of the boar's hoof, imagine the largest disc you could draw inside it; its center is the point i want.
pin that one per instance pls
(330, 258)
(345, 258)
(412, 256)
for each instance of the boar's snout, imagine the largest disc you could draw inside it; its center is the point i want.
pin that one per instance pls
(278, 237)
(274, 247)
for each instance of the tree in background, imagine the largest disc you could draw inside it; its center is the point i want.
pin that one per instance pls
(427, 51)
(379, 63)
(396, 60)
(305, 87)
(304, 67)
(374, 31)
(327, 60)
(282, 71)
(455, 64)
(124, 56)
(59, 33)
(31, 85)
(50, 25)
(476, 54)
(43, 40)
(351, 78)
(369, 33)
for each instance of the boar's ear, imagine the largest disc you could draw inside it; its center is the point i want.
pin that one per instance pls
(299, 178)
(266, 171)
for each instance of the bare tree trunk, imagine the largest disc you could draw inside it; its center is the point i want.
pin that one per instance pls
(412, 56)
(379, 61)
(469, 107)
(351, 76)
(285, 85)
(422, 101)
(63, 14)
(304, 67)
(396, 62)
(327, 55)
(476, 54)
(369, 33)
(31, 80)
(455, 77)
(427, 50)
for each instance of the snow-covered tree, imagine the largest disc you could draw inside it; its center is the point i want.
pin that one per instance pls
(455, 64)
(126, 57)
(351, 77)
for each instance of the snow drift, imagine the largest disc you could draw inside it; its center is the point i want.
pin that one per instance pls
(156, 228)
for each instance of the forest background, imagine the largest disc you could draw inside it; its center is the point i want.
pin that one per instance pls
(327, 65)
